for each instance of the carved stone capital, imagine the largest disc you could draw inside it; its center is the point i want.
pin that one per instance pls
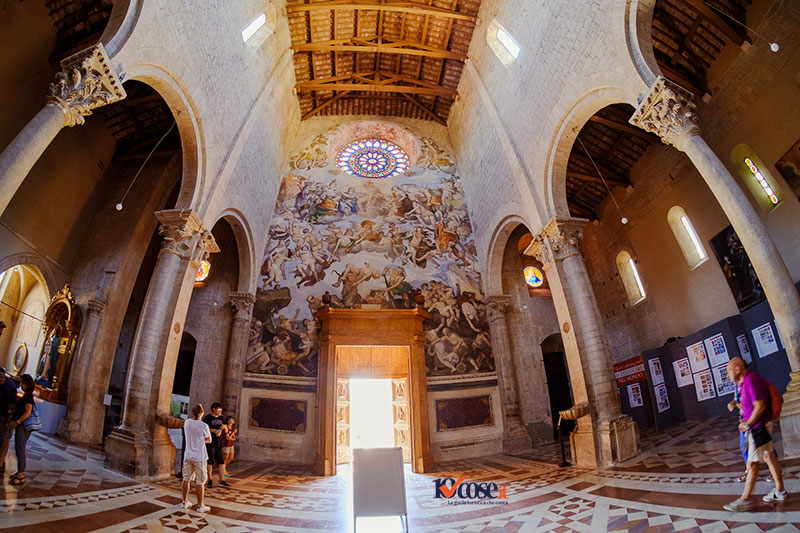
(183, 235)
(95, 307)
(668, 112)
(497, 307)
(242, 304)
(87, 81)
(559, 239)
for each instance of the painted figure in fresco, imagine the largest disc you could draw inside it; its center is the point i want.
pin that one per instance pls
(309, 269)
(481, 352)
(421, 248)
(274, 268)
(470, 312)
(396, 284)
(446, 241)
(350, 279)
(448, 350)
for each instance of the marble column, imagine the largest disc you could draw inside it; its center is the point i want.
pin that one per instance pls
(515, 435)
(606, 436)
(668, 112)
(138, 446)
(86, 82)
(242, 304)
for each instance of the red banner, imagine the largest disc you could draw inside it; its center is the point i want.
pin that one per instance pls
(630, 371)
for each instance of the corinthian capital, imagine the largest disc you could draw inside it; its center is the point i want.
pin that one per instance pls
(242, 304)
(668, 112)
(86, 82)
(497, 306)
(183, 235)
(559, 239)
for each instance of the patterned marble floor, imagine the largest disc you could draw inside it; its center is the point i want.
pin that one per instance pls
(679, 483)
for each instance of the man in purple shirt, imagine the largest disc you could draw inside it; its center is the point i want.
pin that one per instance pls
(755, 423)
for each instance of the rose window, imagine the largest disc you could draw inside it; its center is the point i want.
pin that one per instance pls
(372, 158)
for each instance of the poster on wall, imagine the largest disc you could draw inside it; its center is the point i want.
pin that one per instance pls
(704, 386)
(683, 372)
(744, 348)
(635, 395)
(764, 338)
(697, 357)
(656, 371)
(662, 398)
(723, 383)
(739, 272)
(716, 350)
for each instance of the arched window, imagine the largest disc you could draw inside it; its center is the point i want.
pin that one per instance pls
(502, 43)
(687, 238)
(630, 277)
(756, 176)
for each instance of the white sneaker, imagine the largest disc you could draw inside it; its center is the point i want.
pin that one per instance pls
(203, 508)
(185, 505)
(775, 496)
(738, 505)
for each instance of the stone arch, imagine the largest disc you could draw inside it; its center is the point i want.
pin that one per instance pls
(564, 137)
(123, 19)
(186, 116)
(41, 269)
(638, 34)
(248, 276)
(496, 250)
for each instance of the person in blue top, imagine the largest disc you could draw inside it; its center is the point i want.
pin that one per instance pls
(8, 397)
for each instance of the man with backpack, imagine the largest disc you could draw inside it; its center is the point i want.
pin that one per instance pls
(758, 411)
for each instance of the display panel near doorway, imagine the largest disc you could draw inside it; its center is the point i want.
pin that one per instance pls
(278, 415)
(462, 413)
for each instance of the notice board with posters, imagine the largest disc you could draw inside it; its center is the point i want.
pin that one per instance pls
(635, 398)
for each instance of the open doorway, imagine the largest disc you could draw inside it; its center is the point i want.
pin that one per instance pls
(371, 413)
(558, 386)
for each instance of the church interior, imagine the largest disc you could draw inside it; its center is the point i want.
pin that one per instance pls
(520, 242)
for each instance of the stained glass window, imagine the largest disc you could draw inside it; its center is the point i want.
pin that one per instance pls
(202, 271)
(762, 181)
(372, 158)
(533, 276)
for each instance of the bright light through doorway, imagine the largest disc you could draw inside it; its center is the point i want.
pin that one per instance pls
(371, 413)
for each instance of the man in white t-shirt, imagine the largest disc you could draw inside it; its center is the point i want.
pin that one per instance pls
(194, 460)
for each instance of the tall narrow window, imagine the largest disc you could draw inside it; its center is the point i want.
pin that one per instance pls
(502, 43)
(257, 32)
(755, 174)
(689, 242)
(254, 26)
(630, 277)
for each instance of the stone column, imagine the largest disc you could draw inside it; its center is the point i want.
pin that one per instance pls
(668, 112)
(242, 304)
(515, 435)
(138, 446)
(606, 436)
(85, 82)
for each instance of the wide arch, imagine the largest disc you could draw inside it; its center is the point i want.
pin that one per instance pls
(247, 279)
(186, 116)
(564, 137)
(496, 251)
(42, 269)
(638, 34)
(123, 19)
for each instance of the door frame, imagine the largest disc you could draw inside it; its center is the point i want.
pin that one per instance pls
(371, 327)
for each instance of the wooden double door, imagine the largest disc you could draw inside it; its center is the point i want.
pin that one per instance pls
(378, 344)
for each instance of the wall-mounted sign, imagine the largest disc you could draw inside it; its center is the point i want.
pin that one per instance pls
(630, 371)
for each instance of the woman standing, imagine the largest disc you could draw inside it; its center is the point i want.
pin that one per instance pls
(22, 411)
(228, 440)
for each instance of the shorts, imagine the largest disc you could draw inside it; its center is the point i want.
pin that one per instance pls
(214, 454)
(756, 453)
(5, 430)
(196, 470)
(227, 449)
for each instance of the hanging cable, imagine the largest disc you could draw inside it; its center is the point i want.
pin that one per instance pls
(623, 220)
(21, 311)
(119, 205)
(772, 46)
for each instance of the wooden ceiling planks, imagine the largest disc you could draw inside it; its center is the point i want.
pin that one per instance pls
(381, 57)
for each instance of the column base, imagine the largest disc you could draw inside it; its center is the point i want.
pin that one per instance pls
(134, 454)
(324, 467)
(790, 425)
(606, 444)
(583, 446)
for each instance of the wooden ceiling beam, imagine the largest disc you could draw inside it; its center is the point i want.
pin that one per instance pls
(596, 179)
(680, 79)
(361, 45)
(580, 156)
(625, 128)
(325, 104)
(425, 110)
(580, 210)
(401, 7)
(374, 87)
(715, 19)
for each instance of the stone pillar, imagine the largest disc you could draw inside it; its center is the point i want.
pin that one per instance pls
(70, 426)
(515, 435)
(242, 304)
(668, 112)
(85, 82)
(139, 446)
(606, 436)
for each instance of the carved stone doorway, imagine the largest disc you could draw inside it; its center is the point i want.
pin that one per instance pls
(387, 344)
